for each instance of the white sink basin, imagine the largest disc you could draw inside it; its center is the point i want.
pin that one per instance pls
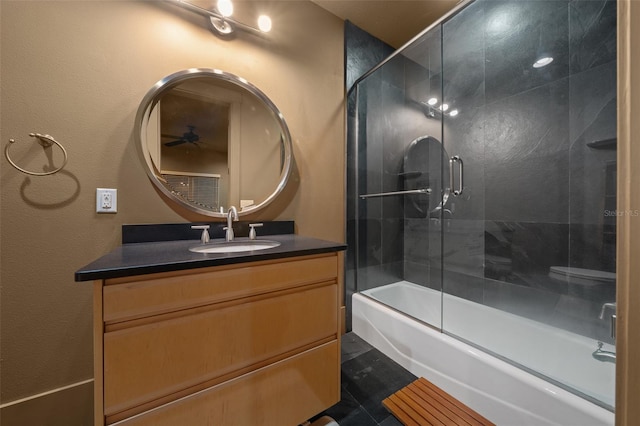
(235, 246)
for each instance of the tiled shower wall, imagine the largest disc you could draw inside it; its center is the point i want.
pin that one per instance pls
(536, 194)
(362, 52)
(543, 196)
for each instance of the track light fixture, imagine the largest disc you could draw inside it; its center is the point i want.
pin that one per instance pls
(220, 20)
(431, 108)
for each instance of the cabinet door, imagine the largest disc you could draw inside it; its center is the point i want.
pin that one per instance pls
(170, 357)
(286, 393)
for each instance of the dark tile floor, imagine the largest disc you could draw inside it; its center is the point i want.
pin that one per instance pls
(368, 377)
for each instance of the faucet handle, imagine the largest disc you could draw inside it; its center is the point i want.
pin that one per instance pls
(252, 231)
(204, 238)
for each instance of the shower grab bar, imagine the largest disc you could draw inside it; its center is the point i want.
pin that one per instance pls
(456, 159)
(408, 191)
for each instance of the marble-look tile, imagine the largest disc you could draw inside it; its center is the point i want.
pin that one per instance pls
(392, 72)
(526, 156)
(529, 190)
(392, 136)
(362, 52)
(465, 286)
(370, 242)
(463, 247)
(536, 247)
(419, 273)
(352, 346)
(390, 421)
(590, 176)
(464, 58)
(592, 113)
(423, 68)
(591, 248)
(464, 136)
(528, 302)
(392, 240)
(416, 240)
(393, 209)
(498, 243)
(593, 118)
(592, 33)
(370, 378)
(426, 52)
(517, 33)
(378, 275)
(532, 123)
(348, 412)
(371, 141)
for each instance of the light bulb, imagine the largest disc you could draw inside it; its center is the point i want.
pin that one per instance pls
(264, 23)
(543, 62)
(225, 8)
(444, 107)
(453, 113)
(432, 101)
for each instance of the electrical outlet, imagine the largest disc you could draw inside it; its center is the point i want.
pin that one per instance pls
(106, 200)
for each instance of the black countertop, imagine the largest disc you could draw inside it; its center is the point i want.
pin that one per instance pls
(149, 258)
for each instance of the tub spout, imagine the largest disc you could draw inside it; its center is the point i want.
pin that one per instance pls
(611, 305)
(604, 356)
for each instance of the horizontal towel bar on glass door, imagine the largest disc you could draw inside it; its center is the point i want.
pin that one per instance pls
(408, 191)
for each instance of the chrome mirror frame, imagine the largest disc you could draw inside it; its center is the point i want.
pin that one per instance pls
(171, 81)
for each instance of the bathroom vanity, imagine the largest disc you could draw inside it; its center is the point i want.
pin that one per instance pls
(249, 338)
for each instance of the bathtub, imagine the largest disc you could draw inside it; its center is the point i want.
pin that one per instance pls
(503, 393)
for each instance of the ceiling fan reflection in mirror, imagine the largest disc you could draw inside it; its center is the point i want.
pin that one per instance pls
(187, 137)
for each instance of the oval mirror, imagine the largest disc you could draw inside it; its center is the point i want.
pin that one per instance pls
(210, 140)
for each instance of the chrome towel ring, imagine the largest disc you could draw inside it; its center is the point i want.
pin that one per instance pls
(46, 141)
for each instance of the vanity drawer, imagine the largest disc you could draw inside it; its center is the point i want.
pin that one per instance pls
(126, 298)
(206, 345)
(286, 393)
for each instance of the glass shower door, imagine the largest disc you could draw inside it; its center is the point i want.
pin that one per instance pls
(528, 259)
(400, 185)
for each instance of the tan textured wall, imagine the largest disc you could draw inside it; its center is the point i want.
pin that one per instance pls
(78, 70)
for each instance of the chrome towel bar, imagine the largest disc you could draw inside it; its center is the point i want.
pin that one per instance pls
(408, 191)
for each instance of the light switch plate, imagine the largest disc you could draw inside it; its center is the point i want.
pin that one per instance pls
(106, 200)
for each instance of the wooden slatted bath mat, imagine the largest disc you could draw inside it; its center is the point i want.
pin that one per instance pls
(421, 403)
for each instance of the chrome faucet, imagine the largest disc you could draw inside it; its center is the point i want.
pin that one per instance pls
(605, 356)
(611, 305)
(232, 215)
(612, 318)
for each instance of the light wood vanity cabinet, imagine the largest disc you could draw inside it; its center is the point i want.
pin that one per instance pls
(247, 344)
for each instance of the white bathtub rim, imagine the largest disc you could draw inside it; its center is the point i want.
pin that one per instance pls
(554, 395)
(599, 389)
(418, 368)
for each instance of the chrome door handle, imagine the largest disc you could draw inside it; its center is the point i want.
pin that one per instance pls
(456, 159)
